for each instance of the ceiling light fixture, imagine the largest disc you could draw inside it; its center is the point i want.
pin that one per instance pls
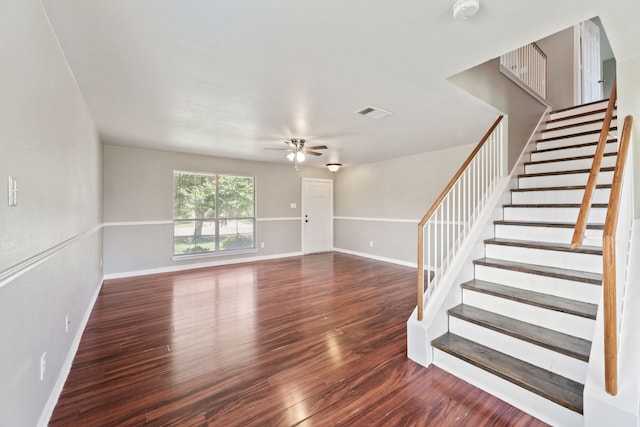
(333, 167)
(291, 156)
(300, 156)
(465, 9)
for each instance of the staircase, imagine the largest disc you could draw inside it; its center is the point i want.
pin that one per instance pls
(523, 331)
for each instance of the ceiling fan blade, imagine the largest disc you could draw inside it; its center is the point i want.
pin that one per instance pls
(317, 147)
(313, 153)
(279, 149)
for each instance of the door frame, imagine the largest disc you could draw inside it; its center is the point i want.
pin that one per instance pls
(302, 209)
(578, 65)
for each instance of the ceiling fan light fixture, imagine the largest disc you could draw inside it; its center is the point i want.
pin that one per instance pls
(300, 156)
(465, 9)
(333, 167)
(291, 156)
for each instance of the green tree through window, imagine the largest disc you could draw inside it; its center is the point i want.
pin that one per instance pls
(212, 212)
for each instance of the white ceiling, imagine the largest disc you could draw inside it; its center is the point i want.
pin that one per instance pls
(230, 78)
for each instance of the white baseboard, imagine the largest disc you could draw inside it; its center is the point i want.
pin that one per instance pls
(184, 267)
(66, 366)
(378, 258)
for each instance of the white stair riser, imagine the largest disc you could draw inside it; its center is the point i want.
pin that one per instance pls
(564, 153)
(566, 142)
(590, 138)
(588, 127)
(567, 165)
(560, 259)
(531, 403)
(575, 120)
(568, 179)
(579, 110)
(562, 322)
(578, 291)
(544, 358)
(596, 215)
(543, 234)
(551, 197)
(555, 133)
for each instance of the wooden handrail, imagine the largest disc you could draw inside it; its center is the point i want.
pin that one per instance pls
(583, 215)
(432, 209)
(609, 264)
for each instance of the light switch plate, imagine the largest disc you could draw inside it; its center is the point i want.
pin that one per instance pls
(12, 191)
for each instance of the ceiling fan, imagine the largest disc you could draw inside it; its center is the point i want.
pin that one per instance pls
(297, 151)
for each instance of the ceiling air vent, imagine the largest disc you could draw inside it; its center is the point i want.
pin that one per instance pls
(373, 112)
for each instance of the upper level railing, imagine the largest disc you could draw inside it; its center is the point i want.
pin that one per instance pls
(529, 65)
(454, 212)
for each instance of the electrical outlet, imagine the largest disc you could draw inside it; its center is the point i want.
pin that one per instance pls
(261, 245)
(66, 323)
(43, 365)
(370, 243)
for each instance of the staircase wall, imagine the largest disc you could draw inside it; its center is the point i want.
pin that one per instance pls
(629, 103)
(487, 83)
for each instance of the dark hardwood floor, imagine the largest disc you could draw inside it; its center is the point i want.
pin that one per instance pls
(317, 340)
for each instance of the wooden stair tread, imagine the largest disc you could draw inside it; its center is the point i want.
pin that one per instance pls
(575, 116)
(573, 125)
(548, 224)
(552, 205)
(586, 133)
(584, 144)
(549, 246)
(565, 187)
(538, 299)
(542, 270)
(567, 172)
(559, 342)
(554, 387)
(565, 159)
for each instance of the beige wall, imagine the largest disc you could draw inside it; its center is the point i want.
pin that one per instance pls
(382, 202)
(49, 143)
(629, 104)
(609, 75)
(138, 189)
(486, 82)
(559, 49)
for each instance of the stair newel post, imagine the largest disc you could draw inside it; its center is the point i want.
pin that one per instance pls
(610, 316)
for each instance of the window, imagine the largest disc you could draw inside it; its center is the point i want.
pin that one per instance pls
(212, 213)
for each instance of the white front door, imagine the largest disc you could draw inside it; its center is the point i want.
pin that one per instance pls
(317, 212)
(591, 65)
